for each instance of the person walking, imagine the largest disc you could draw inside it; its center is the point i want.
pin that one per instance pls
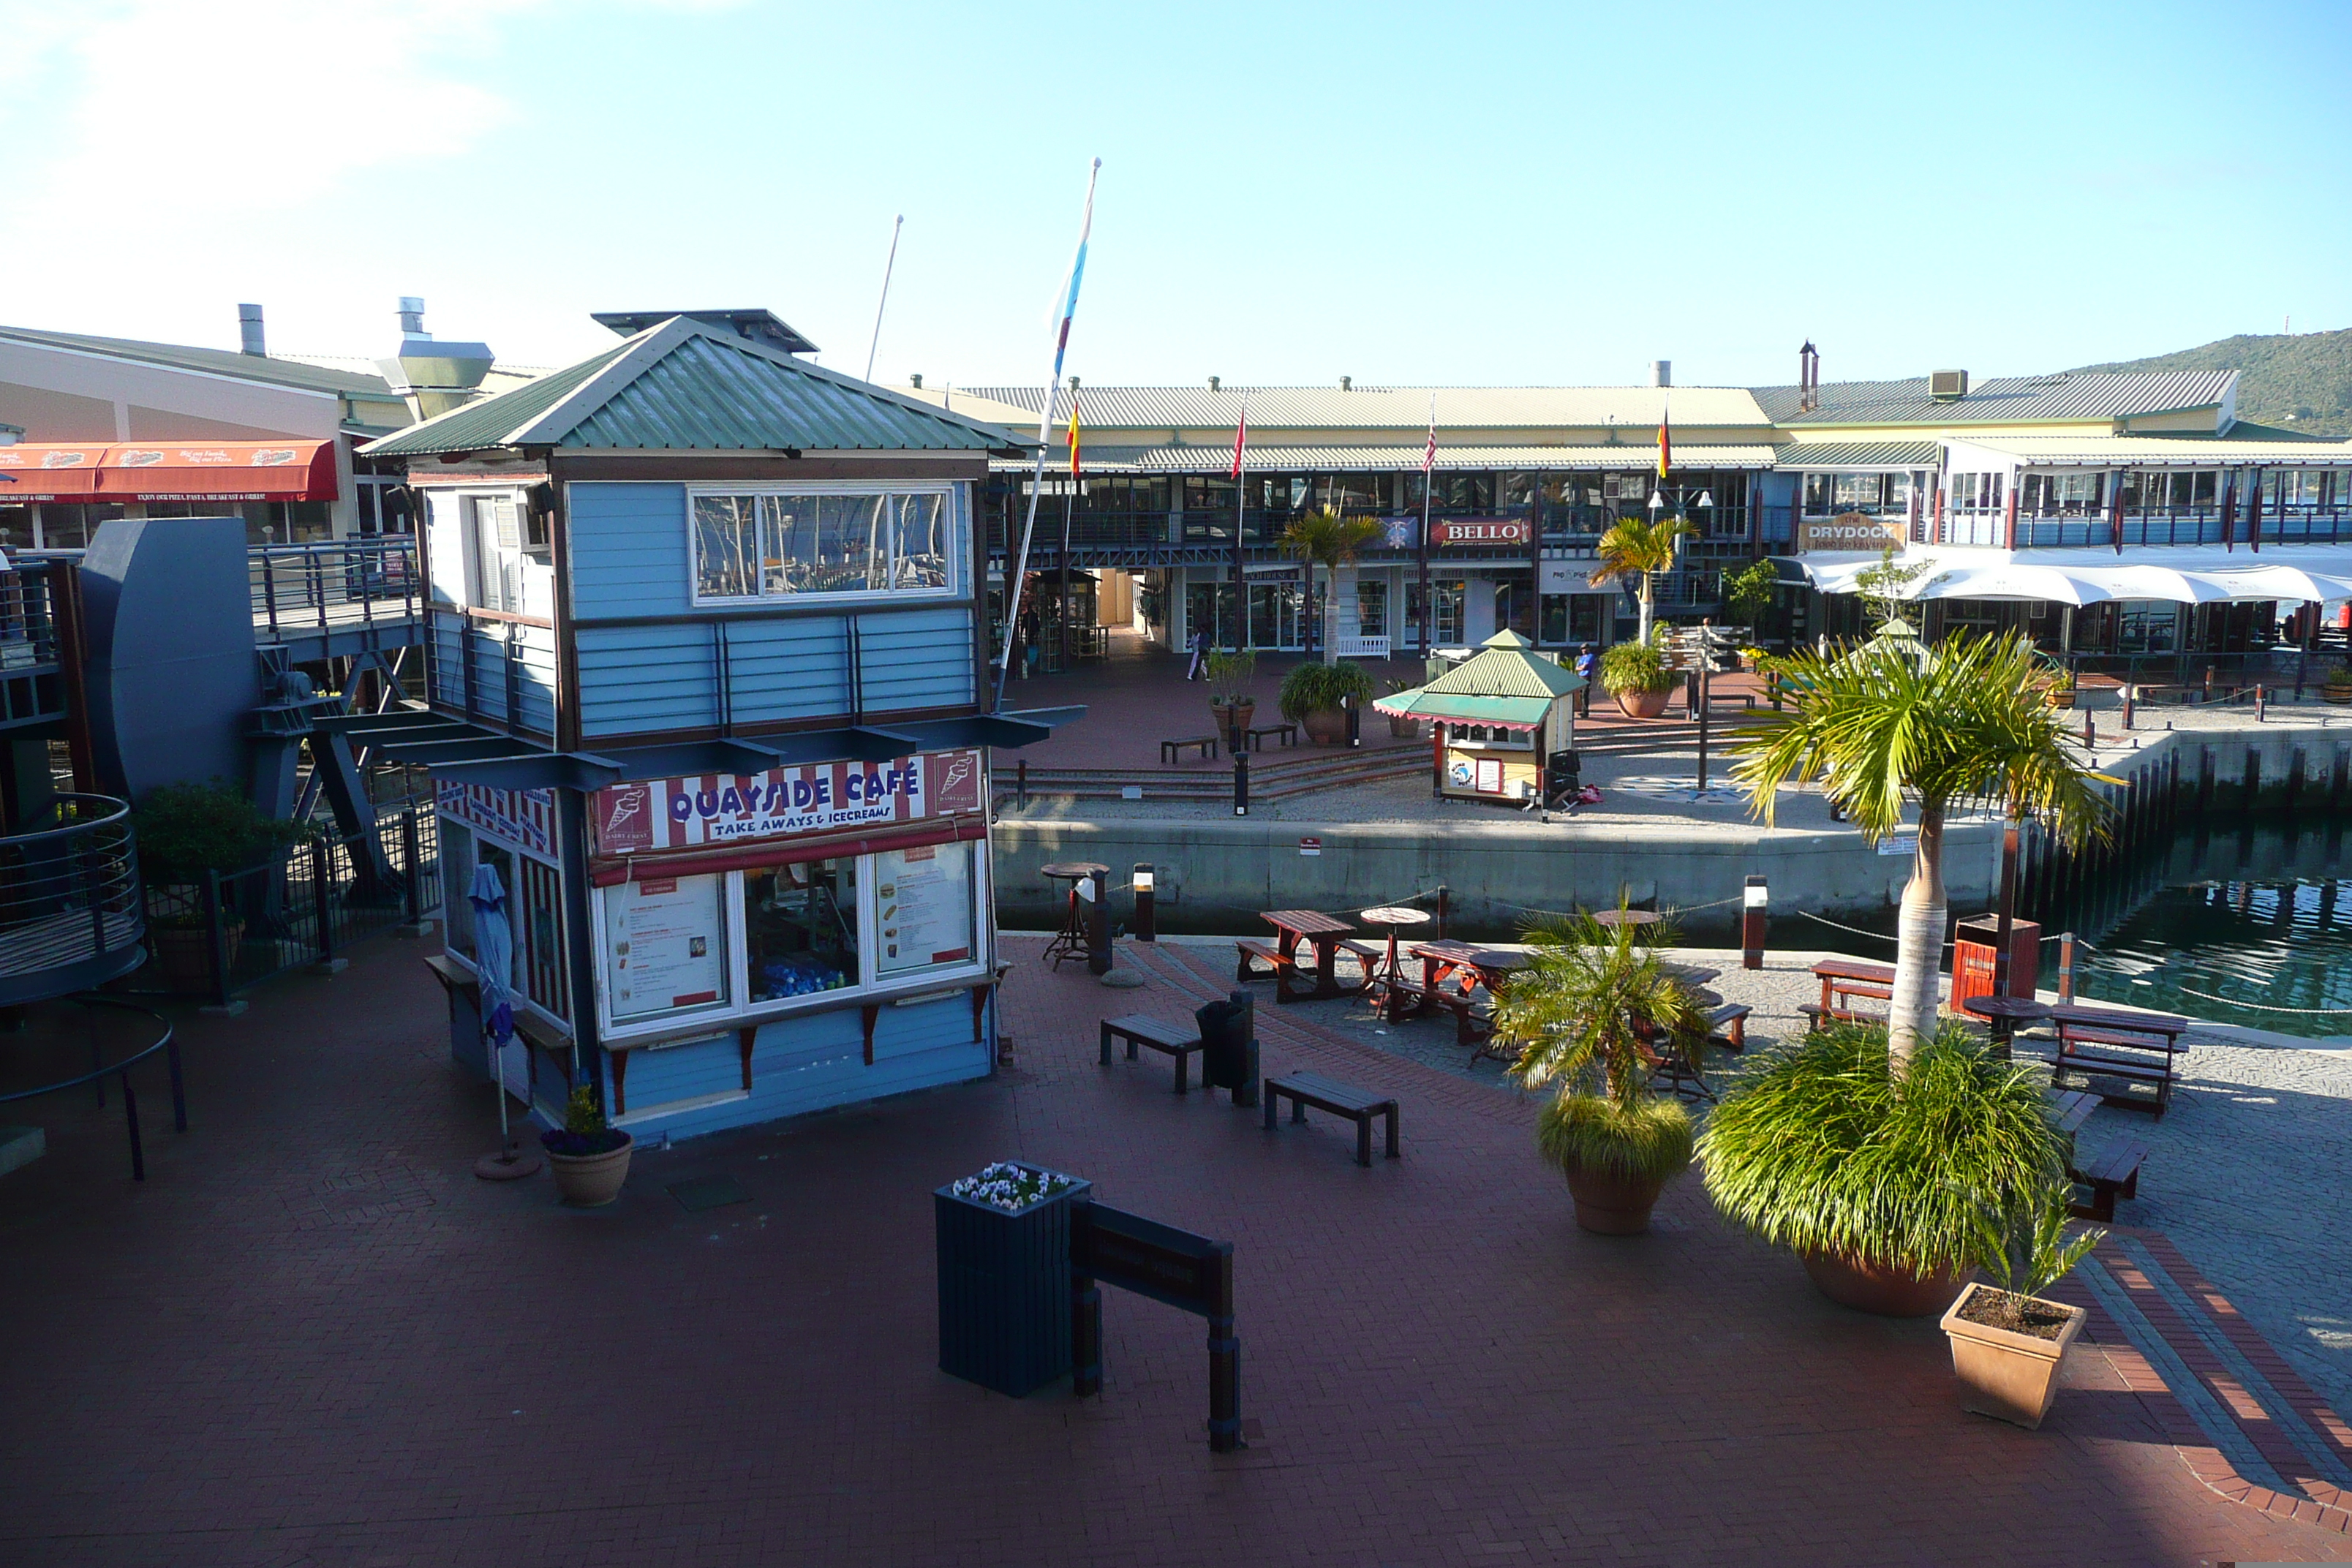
(1200, 653)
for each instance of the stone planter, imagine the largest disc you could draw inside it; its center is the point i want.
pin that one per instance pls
(2005, 1375)
(1612, 1205)
(1325, 726)
(1642, 704)
(184, 954)
(1005, 1290)
(1880, 1289)
(591, 1181)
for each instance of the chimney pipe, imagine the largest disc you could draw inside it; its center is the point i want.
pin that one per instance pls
(1347, 383)
(1214, 382)
(411, 317)
(249, 331)
(1662, 373)
(916, 381)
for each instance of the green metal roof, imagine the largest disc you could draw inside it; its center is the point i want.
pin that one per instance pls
(1421, 702)
(684, 385)
(1504, 666)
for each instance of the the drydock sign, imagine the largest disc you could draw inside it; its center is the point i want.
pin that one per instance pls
(1852, 530)
(784, 803)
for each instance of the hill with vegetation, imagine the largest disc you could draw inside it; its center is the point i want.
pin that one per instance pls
(2297, 382)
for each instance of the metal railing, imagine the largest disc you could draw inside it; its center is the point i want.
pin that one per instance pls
(305, 906)
(333, 586)
(71, 915)
(30, 688)
(166, 1041)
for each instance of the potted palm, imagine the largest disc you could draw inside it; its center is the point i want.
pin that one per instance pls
(1229, 675)
(1889, 724)
(1640, 548)
(188, 833)
(589, 1156)
(1636, 674)
(1324, 538)
(2060, 688)
(2008, 1342)
(1876, 1171)
(1403, 726)
(1315, 697)
(1591, 1011)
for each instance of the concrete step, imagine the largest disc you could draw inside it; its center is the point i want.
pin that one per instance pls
(21, 1146)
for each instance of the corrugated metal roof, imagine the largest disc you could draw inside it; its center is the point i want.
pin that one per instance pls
(217, 361)
(2002, 400)
(2247, 443)
(1505, 669)
(1390, 407)
(684, 385)
(1219, 460)
(1421, 703)
(1862, 455)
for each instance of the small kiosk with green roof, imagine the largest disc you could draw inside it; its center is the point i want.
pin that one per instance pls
(1496, 719)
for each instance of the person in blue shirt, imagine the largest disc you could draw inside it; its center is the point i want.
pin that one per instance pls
(1588, 664)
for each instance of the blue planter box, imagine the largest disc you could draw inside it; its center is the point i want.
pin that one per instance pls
(1005, 1290)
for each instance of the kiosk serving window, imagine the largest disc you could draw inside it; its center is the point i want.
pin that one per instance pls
(800, 928)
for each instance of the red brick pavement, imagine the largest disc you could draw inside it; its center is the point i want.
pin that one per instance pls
(312, 1337)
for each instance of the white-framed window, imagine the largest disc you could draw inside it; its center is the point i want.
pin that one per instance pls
(824, 539)
(1371, 607)
(725, 947)
(508, 545)
(1973, 492)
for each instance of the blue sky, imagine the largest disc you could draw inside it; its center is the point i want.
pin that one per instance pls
(1536, 194)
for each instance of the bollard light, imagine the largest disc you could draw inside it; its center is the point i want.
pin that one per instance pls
(1098, 952)
(1756, 903)
(1144, 929)
(1241, 783)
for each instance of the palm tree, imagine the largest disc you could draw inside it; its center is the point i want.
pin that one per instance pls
(1325, 538)
(1639, 547)
(1596, 1003)
(1880, 724)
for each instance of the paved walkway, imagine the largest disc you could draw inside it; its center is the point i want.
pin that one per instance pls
(312, 1337)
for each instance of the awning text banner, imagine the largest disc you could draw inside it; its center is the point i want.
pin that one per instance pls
(169, 470)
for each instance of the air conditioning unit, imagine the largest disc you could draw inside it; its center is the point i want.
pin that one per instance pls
(1946, 385)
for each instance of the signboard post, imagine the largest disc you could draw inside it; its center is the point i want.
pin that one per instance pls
(1191, 1273)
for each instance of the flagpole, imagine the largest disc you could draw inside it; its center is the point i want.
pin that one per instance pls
(1044, 429)
(1241, 510)
(888, 267)
(1428, 483)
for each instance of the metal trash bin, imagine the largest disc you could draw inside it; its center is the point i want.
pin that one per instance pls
(1229, 1045)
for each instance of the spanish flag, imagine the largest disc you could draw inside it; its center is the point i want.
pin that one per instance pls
(1666, 441)
(1074, 433)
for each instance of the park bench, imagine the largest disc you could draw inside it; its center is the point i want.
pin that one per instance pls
(1305, 1089)
(1728, 1026)
(1178, 1040)
(2113, 1172)
(1254, 951)
(1256, 734)
(1205, 744)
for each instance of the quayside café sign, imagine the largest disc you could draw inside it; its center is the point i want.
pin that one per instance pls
(726, 808)
(1485, 530)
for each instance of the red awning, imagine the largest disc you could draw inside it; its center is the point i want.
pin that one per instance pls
(171, 471)
(761, 854)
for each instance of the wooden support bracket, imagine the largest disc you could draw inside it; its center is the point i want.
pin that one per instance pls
(872, 1011)
(744, 1038)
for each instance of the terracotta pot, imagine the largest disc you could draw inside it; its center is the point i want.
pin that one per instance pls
(1881, 1288)
(1642, 704)
(2062, 699)
(2007, 1375)
(591, 1180)
(1232, 716)
(1325, 726)
(2336, 694)
(1612, 1205)
(184, 954)
(1410, 729)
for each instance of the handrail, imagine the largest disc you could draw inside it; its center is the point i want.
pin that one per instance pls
(117, 809)
(169, 1043)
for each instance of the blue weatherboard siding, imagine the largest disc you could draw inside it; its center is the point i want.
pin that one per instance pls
(811, 1062)
(639, 679)
(916, 658)
(628, 550)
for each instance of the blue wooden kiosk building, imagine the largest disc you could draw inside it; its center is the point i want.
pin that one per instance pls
(705, 684)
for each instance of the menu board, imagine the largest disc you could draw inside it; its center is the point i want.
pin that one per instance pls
(665, 945)
(922, 905)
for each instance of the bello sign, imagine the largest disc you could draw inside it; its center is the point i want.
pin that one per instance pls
(783, 803)
(1487, 530)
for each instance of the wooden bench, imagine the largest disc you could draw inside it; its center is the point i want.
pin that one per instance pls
(1179, 1040)
(1820, 1016)
(1305, 1089)
(2092, 1065)
(1254, 951)
(1368, 957)
(1206, 745)
(2113, 1172)
(1728, 1026)
(1256, 734)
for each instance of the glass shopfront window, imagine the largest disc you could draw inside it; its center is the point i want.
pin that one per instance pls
(1371, 607)
(1833, 495)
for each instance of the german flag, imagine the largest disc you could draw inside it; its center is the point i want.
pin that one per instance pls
(1074, 433)
(1666, 440)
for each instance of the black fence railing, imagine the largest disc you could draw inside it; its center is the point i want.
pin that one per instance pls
(32, 687)
(70, 913)
(304, 907)
(333, 586)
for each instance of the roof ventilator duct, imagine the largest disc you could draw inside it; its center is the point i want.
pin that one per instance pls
(433, 377)
(1947, 385)
(249, 331)
(1662, 373)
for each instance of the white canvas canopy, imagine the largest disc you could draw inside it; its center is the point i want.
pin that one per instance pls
(2184, 577)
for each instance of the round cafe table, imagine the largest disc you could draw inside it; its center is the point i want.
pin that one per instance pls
(1614, 917)
(1395, 917)
(1071, 941)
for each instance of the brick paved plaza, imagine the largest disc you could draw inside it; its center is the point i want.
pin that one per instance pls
(311, 1337)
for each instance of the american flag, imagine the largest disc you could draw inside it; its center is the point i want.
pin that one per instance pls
(1241, 437)
(1429, 454)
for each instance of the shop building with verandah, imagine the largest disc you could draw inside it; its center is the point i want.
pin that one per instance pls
(1496, 720)
(705, 687)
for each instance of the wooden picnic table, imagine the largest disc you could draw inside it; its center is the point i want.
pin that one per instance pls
(2005, 1014)
(2098, 1042)
(1844, 979)
(1322, 932)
